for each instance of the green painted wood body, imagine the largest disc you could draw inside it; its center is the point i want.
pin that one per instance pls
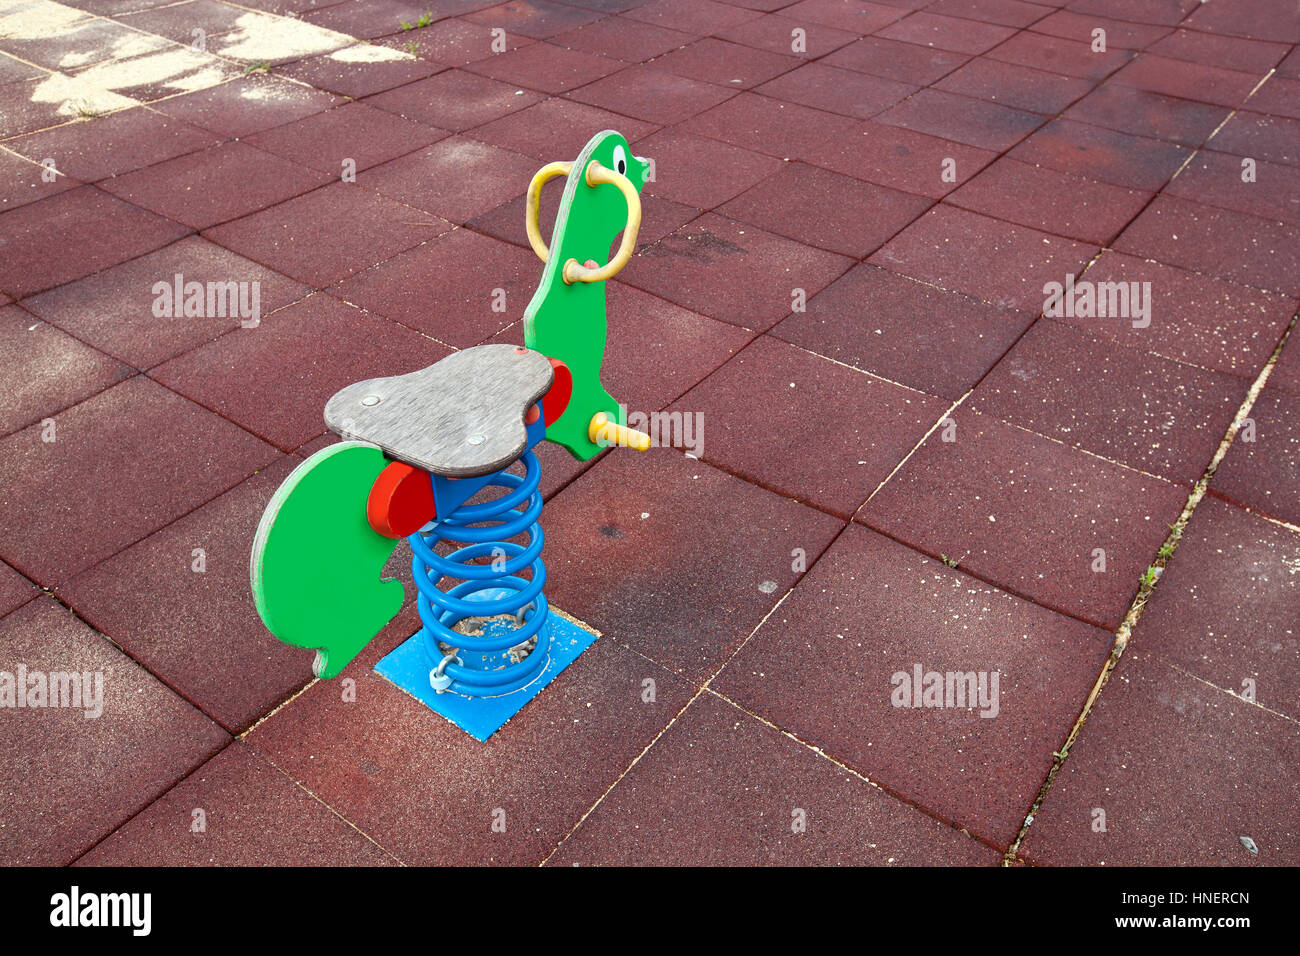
(568, 322)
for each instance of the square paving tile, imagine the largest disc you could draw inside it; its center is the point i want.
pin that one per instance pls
(1265, 473)
(122, 464)
(674, 558)
(624, 39)
(1012, 85)
(947, 33)
(845, 430)
(725, 63)
(898, 157)
(1194, 318)
(67, 47)
(386, 762)
(215, 185)
(720, 772)
(732, 271)
(360, 70)
(253, 815)
(24, 181)
(1232, 245)
(43, 370)
(1124, 34)
(826, 210)
(1272, 138)
(286, 369)
(51, 99)
(1009, 270)
(856, 16)
(1286, 373)
(1010, 13)
(766, 125)
(456, 179)
(903, 330)
(455, 42)
(846, 92)
(1132, 407)
(1249, 56)
(1143, 113)
(367, 18)
(1267, 20)
(775, 33)
(1056, 55)
(330, 233)
(13, 69)
(556, 128)
(198, 629)
(538, 19)
(1224, 610)
(1028, 514)
(1153, 725)
(893, 60)
(1031, 196)
(1166, 12)
(178, 21)
(247, 105)
(1277, 97)
(448, 287)
(68, 780)
(1216, 179)
(74, 233)
(114, 310)
(686, 167)
(113, 144)
(1191, 81)
(691, 16)
(547, 67)
(454, 100)
(831, 669)
(354, 131)
(973, 122)
(15, 590)
(652, 95)
(1105, 155)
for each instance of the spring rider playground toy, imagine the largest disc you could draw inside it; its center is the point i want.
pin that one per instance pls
(418, 447)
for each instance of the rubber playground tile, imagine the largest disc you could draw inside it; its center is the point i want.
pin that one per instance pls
(686, 168)
(556, 129)
(119, 311)
(1153, 724)
(1105, 155)
(367, 18)
(330, 233)
(390, 765)
(1144, 411)
(252, 815)
(15, 590)
(699, 17)
(856, 16)
(1286, 373)
(947, 33)
(732, 271)
(826, 210)
(24, 108)
(215, 185)
(846, 92)
(24, 181)
(178, 21)
(623, 39)
(725, 63)
(900, 158)
(976, 123)
(1125, 34)
(1266, 20)
(455, 179)
(1234, 53)
(13, 70)
(1012, 85)
(461, 288)
(538, 19)
(903, 330)
(1195, 318)
(774, 33)
(1216, 179)
(1264, 473)
(454, 100)
(1189, 81)
(1143, 113)
(1289, 67)
(767, 125)
(1056, 55)
(1010, 13)
(247, 105)
(652, 95)
(721, 788)
(43, 370)
(1278, 97)
(69, 778)
(354, 132)
(845, 430)
(894, 60)
(1028, 514)
(72, 234)
(991, 260)
(290, 365)
(1232, 245)
(547, 67)
(113, 144)
(357, 71)
(1030, 196)
(1273, 139)
(834, 671)
(674, 558)
(179, 603)
(454, 42)
(69, 46)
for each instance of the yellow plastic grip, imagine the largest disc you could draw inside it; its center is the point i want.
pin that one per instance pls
(534, 203)
(597, 174)
(602, 431)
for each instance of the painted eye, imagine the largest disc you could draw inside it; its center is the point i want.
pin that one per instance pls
(620, 160)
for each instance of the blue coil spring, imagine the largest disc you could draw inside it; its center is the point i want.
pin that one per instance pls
(499, 520)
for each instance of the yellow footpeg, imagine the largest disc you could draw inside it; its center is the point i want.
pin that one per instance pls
(602, 431)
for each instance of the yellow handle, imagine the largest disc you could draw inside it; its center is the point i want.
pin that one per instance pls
(574, 271)
(534, 203)
(602, 431)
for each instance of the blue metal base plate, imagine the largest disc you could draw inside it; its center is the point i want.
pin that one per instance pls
(408, 667)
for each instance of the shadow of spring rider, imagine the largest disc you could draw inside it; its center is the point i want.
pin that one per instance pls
(419, 453)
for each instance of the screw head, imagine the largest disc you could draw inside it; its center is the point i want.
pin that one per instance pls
(370, 400)
(477, 438)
